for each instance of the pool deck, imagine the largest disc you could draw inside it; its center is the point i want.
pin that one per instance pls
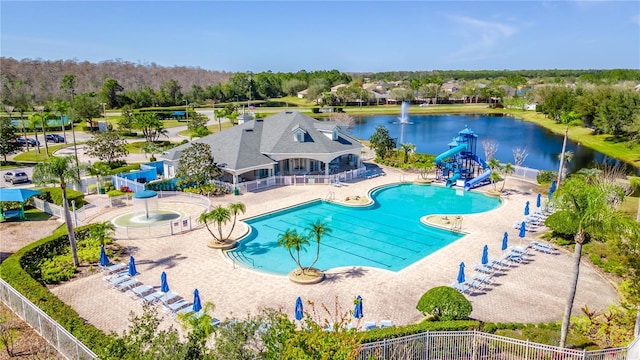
(529, 292)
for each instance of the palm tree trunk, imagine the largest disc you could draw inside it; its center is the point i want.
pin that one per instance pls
(67, 221)
(220, 231)
(209, 229)
(232, 225)
(566, 318)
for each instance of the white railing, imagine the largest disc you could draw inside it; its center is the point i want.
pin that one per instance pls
(456, 345)
(525, 173)
(48, 208)
(119, 182)
(633, 350)
(287, 180)
(173, 227)
(63, 341)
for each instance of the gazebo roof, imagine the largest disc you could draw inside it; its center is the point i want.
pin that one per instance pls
(19, 195)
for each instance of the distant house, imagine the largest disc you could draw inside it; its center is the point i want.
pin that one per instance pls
(303, 93)
(287, 143)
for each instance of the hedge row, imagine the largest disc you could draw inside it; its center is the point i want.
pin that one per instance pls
(12, 271)
(424, 326)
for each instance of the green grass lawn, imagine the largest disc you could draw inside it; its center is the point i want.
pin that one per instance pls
(12, 165)
(34, 156)
(212, 128)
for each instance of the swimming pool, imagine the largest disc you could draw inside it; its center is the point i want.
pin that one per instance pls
(387, 234)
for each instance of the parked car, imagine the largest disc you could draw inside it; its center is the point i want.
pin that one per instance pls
(55, 138)
(32, 142)
(17, 177)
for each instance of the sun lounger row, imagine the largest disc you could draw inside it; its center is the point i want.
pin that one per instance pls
(368, 325)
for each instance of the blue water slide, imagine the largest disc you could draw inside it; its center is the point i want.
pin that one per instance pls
(478, 179)
(452, 180)
(440, 158)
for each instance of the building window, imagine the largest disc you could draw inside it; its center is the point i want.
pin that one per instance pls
(299, 136)
(298, 164)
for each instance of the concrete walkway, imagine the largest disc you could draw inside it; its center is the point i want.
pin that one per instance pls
(531, 292)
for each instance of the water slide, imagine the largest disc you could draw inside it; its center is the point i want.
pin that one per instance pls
(440, 161)
(480, 178)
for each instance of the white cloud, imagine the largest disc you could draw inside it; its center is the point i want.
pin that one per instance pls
(479, 38)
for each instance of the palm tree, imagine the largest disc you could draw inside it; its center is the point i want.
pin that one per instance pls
(317, 230)
(98, 170)
(568, 156)
(101, 231)
(496, 167)
(292, 240)
(218, 215)
(507, 169)
(587, 209)
(407, 149)
(234, 209)
(60, 170)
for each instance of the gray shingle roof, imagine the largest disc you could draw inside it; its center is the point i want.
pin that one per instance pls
(251, 144)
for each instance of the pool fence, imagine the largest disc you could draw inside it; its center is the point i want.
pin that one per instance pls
(52, 332)
(475, 345)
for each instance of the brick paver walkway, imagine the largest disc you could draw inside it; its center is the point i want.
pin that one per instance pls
(531, 292)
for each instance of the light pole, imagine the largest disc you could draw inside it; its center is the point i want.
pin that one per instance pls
(40, 109)
(104, 112)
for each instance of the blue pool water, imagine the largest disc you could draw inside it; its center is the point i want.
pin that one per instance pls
(386, 235)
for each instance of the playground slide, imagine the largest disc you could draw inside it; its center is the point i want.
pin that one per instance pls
(440, 158)
(470, 184)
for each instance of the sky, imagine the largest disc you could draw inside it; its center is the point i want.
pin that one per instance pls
(349, 36)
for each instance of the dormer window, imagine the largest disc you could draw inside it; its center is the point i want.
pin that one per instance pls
(298, 134)
(334, 134)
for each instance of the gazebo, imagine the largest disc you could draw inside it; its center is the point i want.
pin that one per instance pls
(15, 195)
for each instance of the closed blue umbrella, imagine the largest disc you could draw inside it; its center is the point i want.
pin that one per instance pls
(197, 305)
(505, 241)
(539, 201)
(132, 266)
(552, 189)
(523, 229)
(164, 284)
(104, 260)
(526, 209)
(485, 255)
(299, 310)
(357, 310)
(461, 273)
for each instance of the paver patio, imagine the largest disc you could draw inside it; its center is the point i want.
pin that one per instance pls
(531, 292)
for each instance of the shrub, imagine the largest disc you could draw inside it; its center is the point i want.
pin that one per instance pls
(315, 110)
(54, 195)
(112, 193)
(398, 331)
(444, 303)
(12, 270)
(546, 176)
(57, 269)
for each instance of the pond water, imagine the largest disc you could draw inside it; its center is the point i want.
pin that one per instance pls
(432, 133)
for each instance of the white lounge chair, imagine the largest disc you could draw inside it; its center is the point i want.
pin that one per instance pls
(482, 278)
(486, 269)
(368, 325)
(385, 324)
(462, 287)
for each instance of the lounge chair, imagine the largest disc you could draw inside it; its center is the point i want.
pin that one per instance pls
(124, 286)
(519, 250)
(514, 257)
(329, 327)
(487, 269)
(152, 298)
(500, 263)
(169, 298)
(188, 311)
(114, 268)
(545, 248)
(141, 291)
(385, 324)
(115, 280)
(368, 325)
(215, 321)
(463, 288)
(482, 278)
(176, 306)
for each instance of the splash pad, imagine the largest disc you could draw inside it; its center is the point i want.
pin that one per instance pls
(147, 217)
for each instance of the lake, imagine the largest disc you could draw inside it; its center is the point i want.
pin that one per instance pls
(431, 134)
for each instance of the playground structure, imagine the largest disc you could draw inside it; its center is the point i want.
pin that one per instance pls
(460, 165)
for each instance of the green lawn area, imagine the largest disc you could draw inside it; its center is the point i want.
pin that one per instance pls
(136, 147)
(12, 165)
(212, 128)
(34, 156)
(32, 215)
